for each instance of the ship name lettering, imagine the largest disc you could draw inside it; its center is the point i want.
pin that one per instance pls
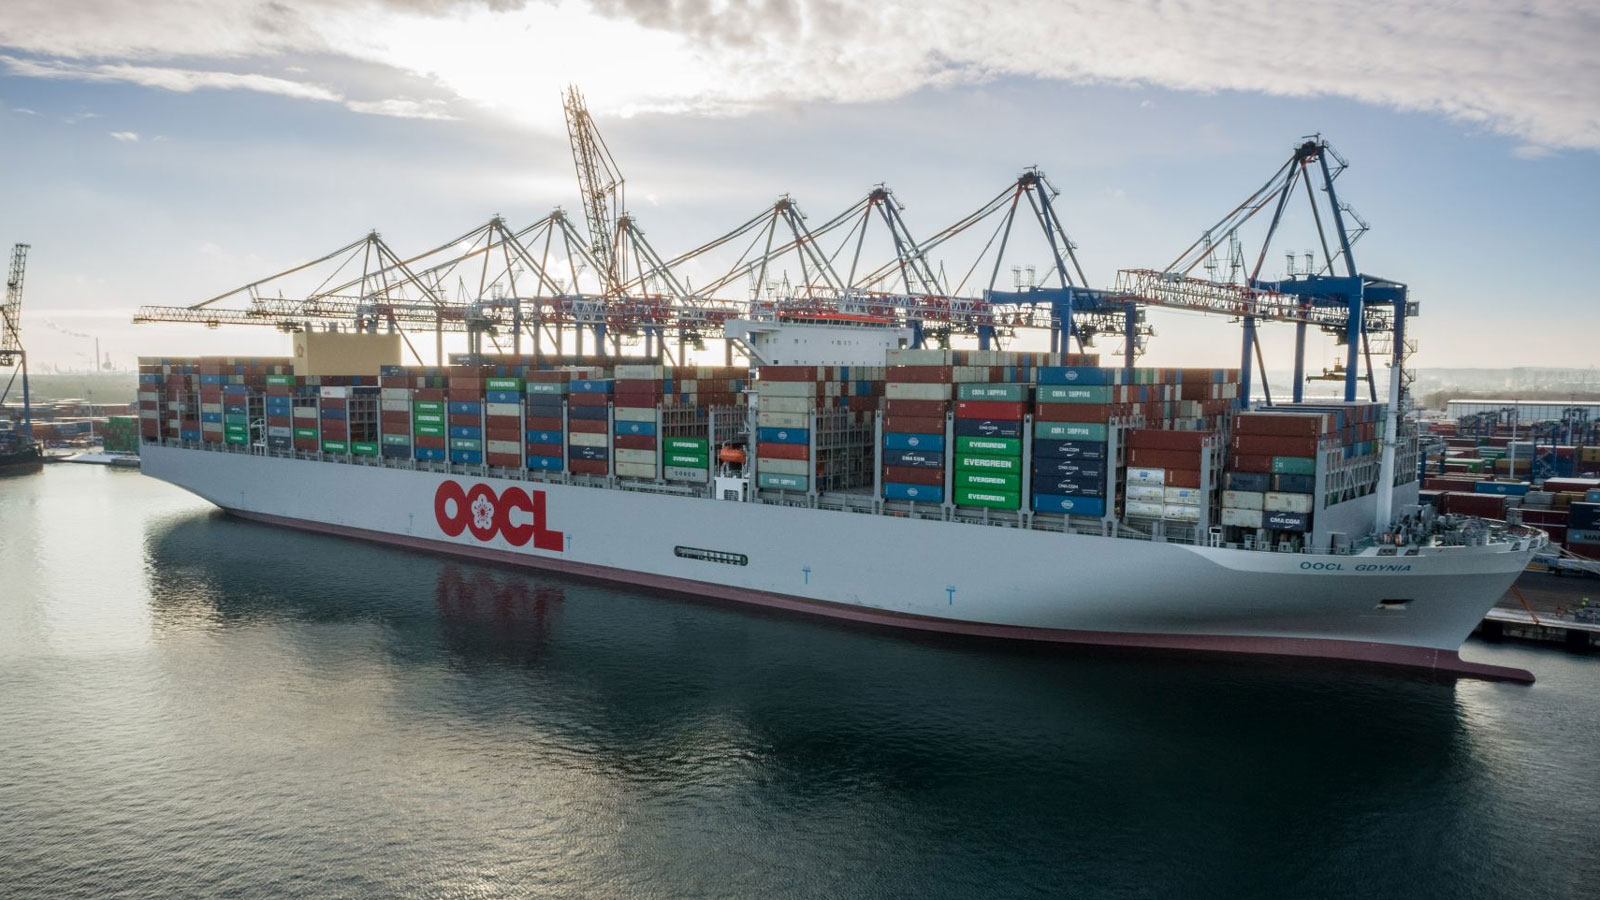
(1323, 566)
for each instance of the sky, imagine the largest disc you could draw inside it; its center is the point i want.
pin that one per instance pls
(164, 152)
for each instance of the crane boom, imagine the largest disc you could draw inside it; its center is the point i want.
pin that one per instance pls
(601, 185)
(11, 312)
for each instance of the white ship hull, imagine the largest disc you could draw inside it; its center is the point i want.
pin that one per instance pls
(931, 575)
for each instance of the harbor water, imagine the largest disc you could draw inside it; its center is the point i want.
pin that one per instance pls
(197, 706)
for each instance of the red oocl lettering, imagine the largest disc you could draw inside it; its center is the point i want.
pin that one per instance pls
(480, 511)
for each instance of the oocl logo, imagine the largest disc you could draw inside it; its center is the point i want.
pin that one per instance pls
(477, 509)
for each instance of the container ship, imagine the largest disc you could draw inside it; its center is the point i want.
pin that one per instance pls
(1032, 496)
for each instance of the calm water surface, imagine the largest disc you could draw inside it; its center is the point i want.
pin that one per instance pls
(194, 706)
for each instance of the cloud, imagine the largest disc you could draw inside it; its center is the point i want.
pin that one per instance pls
(401, 107)
(1521, 68)
(130, 137)
(181, 80)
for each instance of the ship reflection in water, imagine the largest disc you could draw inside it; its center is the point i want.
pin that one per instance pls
(298, 715)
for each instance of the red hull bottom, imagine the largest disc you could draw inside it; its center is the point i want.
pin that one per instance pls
(1442, 662)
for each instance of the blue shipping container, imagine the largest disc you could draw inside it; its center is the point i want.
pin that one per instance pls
(1293, 484)
(922, 493)
(988, 428)
(188, 435)
(1070, 487)
(1082, 450)
(467, 457)
(503, 396)
(589, 413)
(592, 453)
(1072, 506)
(210, 417)
(465, 407)
(544, 437)
(1081, 469)
(643, 429)
(429, 454)
(783, 435)
(546, 463)
(921, 459)
(466, 431)
(590, 386)
(1259, 482)
(930, 442)
(1078, 375)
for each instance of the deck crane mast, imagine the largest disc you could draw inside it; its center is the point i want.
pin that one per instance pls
(11, 351)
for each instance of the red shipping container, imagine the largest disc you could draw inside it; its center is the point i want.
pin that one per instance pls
(334, 403)
(1542, 517)
(1184, 478)
(542, 423)
(587, 426)
(919, 408)
(1274, 445)
(633, 442)
(306, 444)
(637, 401)
(918, 375)
(1284, 424)
(468, 420)
(588, 466)
(1167, 440)
(1489, 506)
(913, 425)
(434, 394)
(1163, 459)
(991, 409)
(637, 385)
(396, 419)
(913, 475)
(1076, 412)
(588, 400)
(466, 382)
(512, 432)
(1245, 463)
(508, 460)
(546, 450)
(783, 451)
(429, 441)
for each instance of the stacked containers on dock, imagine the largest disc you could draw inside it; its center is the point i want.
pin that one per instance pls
(464, 408)
(786, 399)
(917, 395)
(589, 425)
(544, 431)
(1166, 469)
(1072, 468)
(503, 429)
(121, 434)
(636, 409)
(988, 435)
(1276, 452)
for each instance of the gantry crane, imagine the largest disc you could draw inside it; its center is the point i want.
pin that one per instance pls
(11, 350)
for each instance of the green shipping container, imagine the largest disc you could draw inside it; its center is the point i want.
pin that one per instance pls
(1294, 465)
(402, 440)
(305, 432)
(1075, 393)
(989, 446)
(692, 445)
(1069, 431)
(335, 447)
(502, 384)
(1010, 393)
(364, 448)
(236, 439)
(783, 482)
(991, 481)
(687, 460)
(428, 430)
(466, 444)
(280, 379)
(236, 428)
(990, 499)
(428, 418)
(235, 419)
(547, 387)
(1011, 465)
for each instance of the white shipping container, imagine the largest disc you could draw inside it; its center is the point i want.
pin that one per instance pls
(634, 470)
(503, 447)
(308, 413)
(909, 357)
(149, 395)
(783, 466)
(1242, 499)
(503, 409)
(1183, 496)
(1143, 509)
(392, 405)
(394, 393)
(634, 414)
(1276, 501)
(766, 389)
(902, 390)
(1244, 518)
(634, 456)
(635, 371)
(1180, 512)
(1146, 476)
(149, 414)
(782, 420)
(584, 439)
(684, 473)
(787, 404)
(279, 431)
(334, 392)
(1147, 493)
